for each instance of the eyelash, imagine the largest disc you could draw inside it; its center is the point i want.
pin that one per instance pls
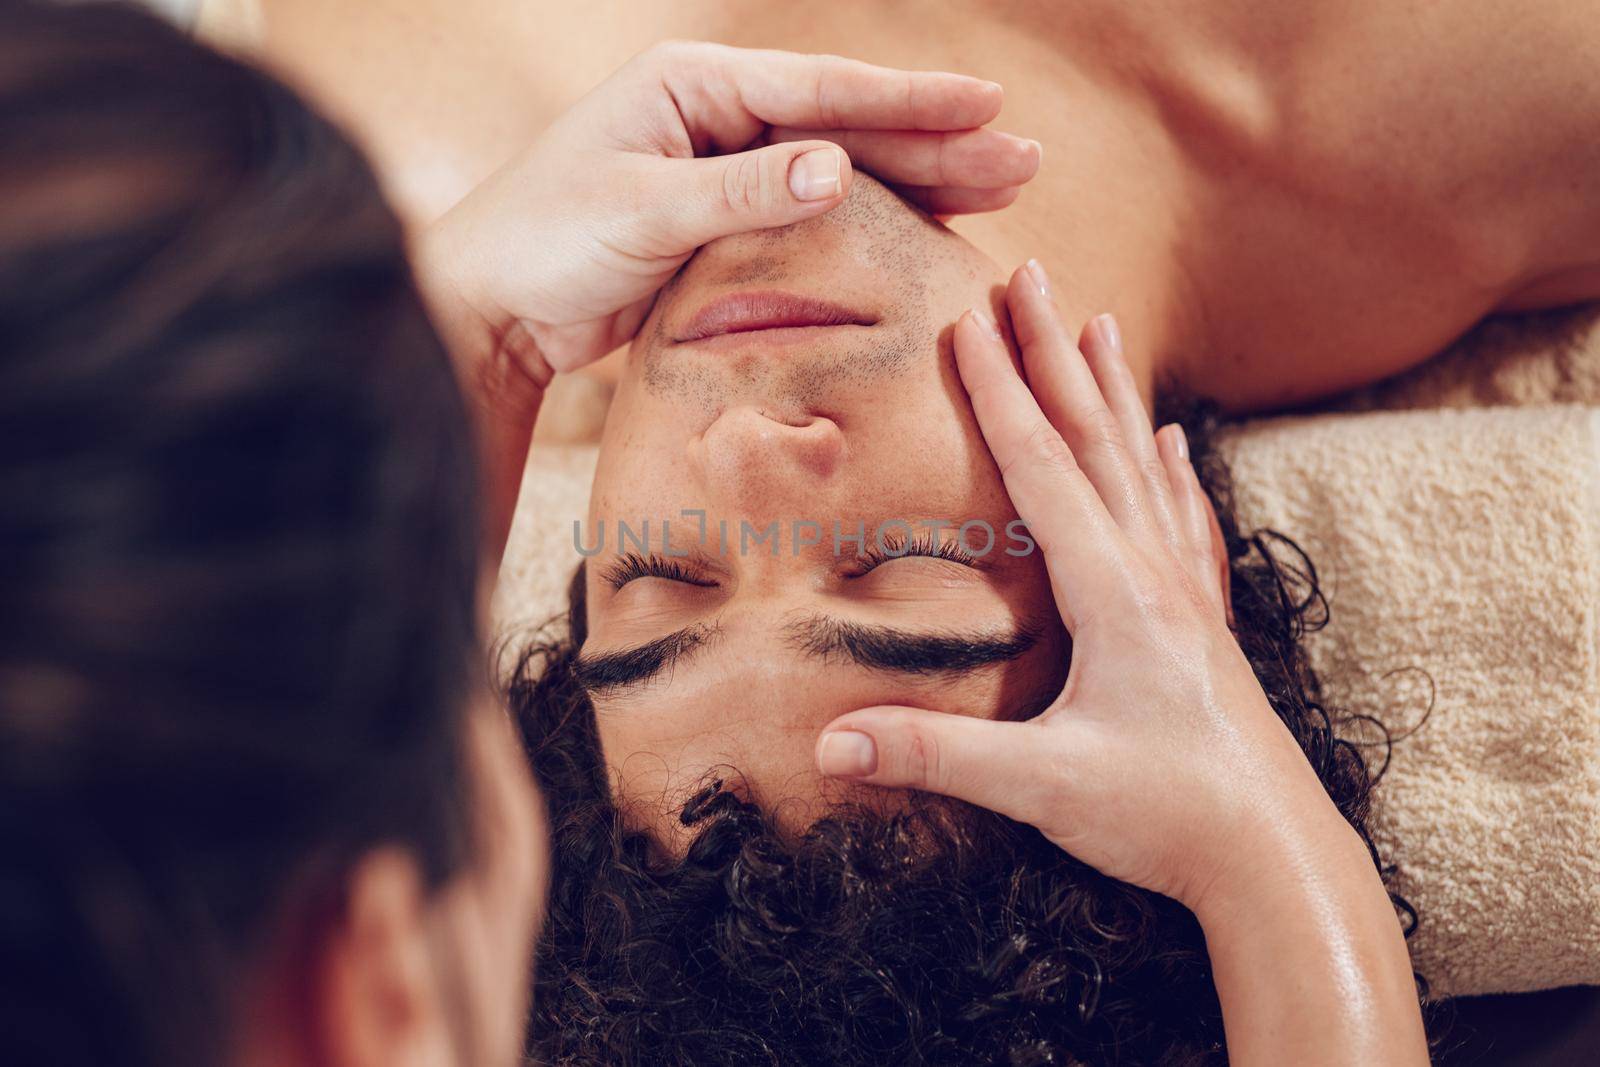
(921, 544)
(634, 566)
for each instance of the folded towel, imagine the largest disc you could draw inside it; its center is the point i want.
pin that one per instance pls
(541, 554)
(1460, 553)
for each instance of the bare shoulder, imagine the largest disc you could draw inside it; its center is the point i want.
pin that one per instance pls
(1408, 170)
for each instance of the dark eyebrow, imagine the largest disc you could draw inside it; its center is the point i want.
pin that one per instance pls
(881, 648)
(885, 648)
(635, 666)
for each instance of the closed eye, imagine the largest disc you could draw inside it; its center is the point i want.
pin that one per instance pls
(633, 566)
(925, 543)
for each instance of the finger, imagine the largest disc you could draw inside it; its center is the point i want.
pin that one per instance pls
(765, 187)
(1194, 516)
(966, 159)
(1101, 344)
(1083, 550)
(948, 201)
(957, 756)
(1071, 399)
(822, 91)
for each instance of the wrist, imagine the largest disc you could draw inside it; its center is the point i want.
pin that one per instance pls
(498, 361)
(1285, 862)
(1309, 957)
(500, 368)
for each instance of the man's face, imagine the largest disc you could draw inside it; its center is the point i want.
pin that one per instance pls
(803, 377)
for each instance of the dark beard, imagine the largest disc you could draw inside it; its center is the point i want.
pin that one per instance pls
(941, 935)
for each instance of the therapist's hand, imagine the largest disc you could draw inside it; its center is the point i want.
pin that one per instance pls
(556, 259)
(1161, 760)
(1161, 763)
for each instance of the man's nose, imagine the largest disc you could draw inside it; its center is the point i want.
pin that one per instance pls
(766, 465)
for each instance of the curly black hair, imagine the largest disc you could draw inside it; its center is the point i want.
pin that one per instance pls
(942, 934)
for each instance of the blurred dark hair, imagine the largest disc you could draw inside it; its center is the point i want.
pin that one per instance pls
(941, 935)
(238, 543)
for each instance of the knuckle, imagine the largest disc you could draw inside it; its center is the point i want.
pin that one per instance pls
(924, 766)
(913, 101)
(944, 166)
(827, 71)
(1154, 472)
(744, 184)
(1100, 429)
(1044, 448)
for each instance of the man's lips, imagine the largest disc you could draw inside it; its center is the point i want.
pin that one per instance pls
(748, 312)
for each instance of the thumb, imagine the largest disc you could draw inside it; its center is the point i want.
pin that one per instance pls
(976, 760)
(765, 187)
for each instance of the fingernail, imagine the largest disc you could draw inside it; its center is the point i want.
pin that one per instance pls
(982, 319)
(1040, 278)
(815, 174)
(1180, 441)
(847, 754)
(1110, 334)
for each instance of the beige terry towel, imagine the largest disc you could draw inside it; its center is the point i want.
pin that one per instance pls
(540, 556)
(1460, 555)
(1457, 543)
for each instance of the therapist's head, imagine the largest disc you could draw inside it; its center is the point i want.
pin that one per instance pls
(712, 900)
(256, 803)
